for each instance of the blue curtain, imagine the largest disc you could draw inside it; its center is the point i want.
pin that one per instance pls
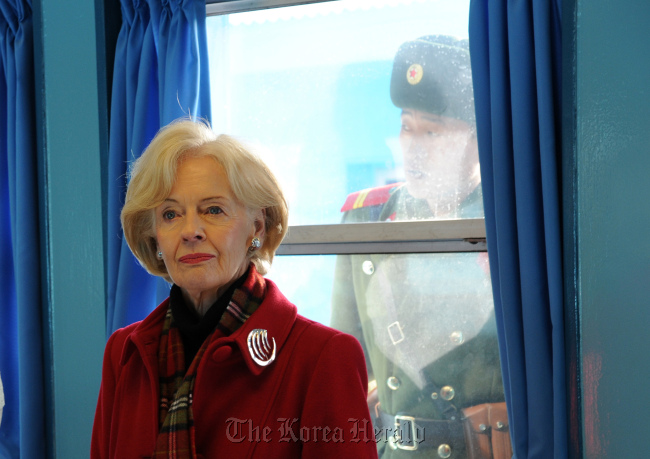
(22, 431)
(160, 74)
(515, 49)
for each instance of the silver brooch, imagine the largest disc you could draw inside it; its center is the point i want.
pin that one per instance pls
(259, 347)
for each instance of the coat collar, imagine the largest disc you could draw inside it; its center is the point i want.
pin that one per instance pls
(144, 336)
(276, 315)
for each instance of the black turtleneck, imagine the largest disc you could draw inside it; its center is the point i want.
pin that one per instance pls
(193, 328)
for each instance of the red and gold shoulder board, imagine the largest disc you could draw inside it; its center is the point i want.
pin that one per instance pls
(369, 197)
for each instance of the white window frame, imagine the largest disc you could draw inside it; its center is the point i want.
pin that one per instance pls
(239, 6)
(435, 236)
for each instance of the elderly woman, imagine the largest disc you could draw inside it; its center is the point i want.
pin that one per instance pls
(225, 367)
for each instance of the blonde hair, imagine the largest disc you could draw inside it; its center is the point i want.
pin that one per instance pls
(153, 174)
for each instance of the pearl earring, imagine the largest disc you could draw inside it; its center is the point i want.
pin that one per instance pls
(159, 255)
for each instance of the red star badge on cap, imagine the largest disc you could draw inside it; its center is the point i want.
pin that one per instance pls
(414, 74)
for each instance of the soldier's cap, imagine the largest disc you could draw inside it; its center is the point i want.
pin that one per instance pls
(433, 74)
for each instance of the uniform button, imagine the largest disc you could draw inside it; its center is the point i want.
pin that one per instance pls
(444, 451)
(222, 353)
(447, 393)
(457, 337)
(393, 383)
(368, 267)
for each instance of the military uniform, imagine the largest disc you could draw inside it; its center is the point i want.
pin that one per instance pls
(426, 322)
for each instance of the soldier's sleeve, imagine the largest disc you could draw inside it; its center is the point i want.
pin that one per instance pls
(345, 312)
(361, 206)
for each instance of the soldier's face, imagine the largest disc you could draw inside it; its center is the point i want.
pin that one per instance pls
(440, 156)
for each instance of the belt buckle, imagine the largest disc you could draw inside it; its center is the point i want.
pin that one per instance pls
(397, 441)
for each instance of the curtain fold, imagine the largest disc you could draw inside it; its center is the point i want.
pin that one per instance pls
(160, 74)
(21, 357)
(515, 49)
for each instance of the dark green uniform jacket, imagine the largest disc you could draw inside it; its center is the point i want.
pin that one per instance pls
(422, 319)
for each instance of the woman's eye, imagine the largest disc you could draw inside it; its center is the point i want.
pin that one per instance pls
(214, 210)
(169, 215)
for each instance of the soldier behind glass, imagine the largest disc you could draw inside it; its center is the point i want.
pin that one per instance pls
(426, 321)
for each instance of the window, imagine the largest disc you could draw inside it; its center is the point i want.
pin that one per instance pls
(308, 86)
(386, 239)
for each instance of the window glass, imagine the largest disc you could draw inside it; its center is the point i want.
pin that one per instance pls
(313, 89)
(306, 280)
(427, 326)
(309, 86)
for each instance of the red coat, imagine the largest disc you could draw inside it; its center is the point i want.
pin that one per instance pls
(310, 402)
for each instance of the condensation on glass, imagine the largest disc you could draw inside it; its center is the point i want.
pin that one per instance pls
(309, 85)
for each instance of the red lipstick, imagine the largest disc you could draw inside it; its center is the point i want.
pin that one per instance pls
(194, 258)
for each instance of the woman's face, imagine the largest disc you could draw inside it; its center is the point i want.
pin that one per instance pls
(203, 232)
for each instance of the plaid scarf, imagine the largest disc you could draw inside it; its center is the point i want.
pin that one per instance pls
(176, 436)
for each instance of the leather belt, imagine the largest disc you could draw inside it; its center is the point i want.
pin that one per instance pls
(410, 433)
